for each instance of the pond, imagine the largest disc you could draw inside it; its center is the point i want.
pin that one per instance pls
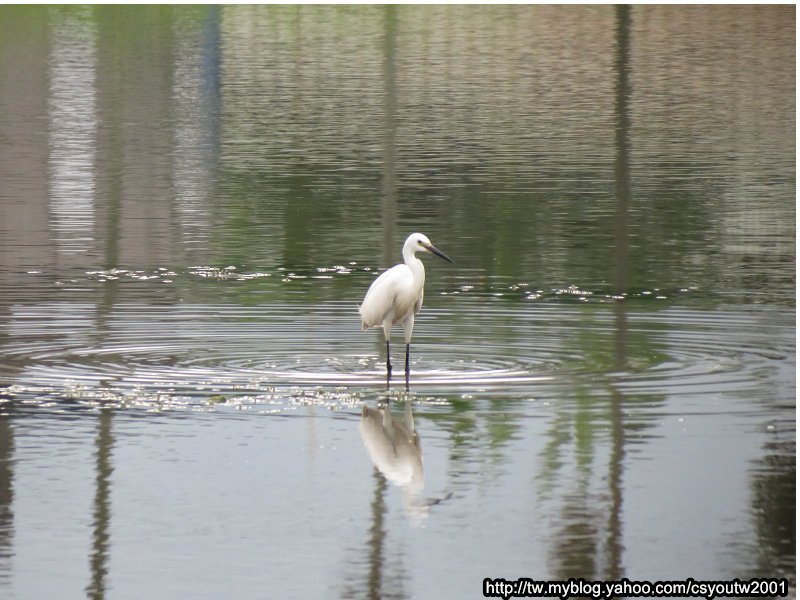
(195, 200)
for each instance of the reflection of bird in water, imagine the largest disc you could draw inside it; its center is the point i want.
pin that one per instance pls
(394, 447)
(396, 295)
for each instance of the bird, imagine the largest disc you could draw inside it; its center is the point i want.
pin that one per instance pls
(396, 296)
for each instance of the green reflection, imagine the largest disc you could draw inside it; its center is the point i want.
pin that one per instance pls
(544, 147)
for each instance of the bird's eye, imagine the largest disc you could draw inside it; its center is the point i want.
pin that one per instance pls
(420, 242)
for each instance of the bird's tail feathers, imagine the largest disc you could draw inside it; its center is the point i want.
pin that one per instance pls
(364, 325)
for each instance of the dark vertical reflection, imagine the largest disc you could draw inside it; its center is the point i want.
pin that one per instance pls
(377, 535)
(102, 506)
(135, 142)
(300, 215)
(212, 76)
(110, 140)
(577, 537)
(104, 441)
(6, 495)
(389, 180)
(774, 499)
(622, 180)
(614, 545)
(590, 543)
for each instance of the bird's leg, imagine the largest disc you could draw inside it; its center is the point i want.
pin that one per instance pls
(408, 328)
(388, 365)
(408, 368)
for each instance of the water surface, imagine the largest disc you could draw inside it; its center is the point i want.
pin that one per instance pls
(195, 200)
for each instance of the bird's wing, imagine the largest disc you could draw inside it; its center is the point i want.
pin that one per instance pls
(381, 296)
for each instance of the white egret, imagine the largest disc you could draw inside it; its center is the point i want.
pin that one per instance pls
(396, 295)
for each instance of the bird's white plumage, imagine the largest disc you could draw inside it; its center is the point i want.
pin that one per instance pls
(396, 295)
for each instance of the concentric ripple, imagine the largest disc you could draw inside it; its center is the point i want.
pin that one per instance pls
(274, 355)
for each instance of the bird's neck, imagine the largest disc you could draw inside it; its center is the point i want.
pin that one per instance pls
(416, 266)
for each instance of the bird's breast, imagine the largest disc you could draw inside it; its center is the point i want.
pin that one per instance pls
(405, 303)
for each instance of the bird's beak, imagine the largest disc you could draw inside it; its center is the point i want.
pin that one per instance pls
(434, 250)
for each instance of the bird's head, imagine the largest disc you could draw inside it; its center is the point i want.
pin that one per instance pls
(419, 242)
